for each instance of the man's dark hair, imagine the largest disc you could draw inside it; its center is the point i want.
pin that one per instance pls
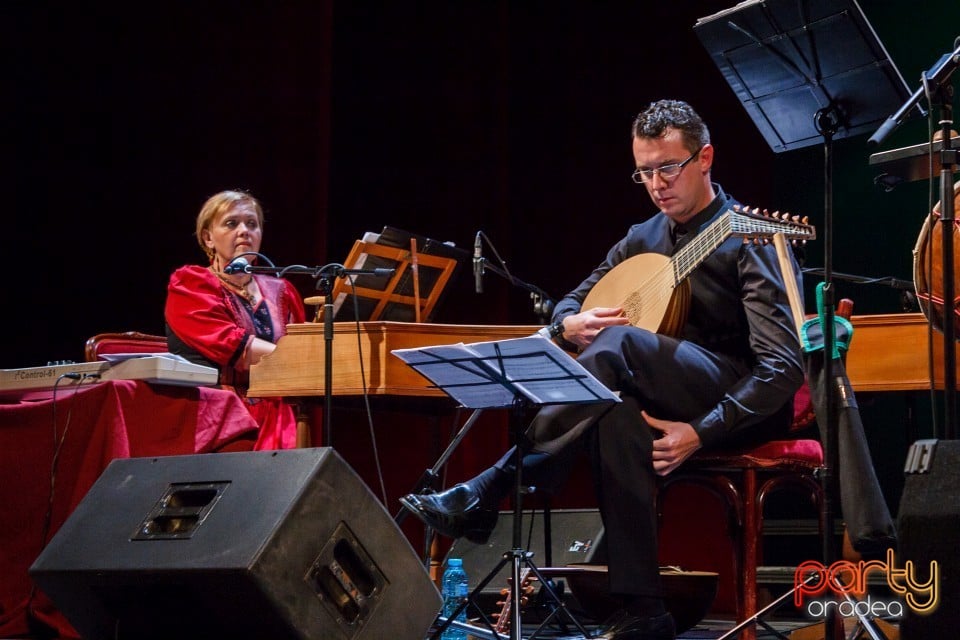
(655, 120)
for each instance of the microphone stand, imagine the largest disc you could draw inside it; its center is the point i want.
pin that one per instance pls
(324, 287)
(325, 277)
(935, 81)
(542, 302)
(947, 162)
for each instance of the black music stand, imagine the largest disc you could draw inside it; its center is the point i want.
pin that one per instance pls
(518, 373)
(808, 72)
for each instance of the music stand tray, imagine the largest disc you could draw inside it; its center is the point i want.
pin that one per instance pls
(515, 373)
(912, 163)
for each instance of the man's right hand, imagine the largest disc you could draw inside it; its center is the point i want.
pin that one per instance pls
(581, 328)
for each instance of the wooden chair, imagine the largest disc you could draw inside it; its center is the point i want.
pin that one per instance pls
(126, 342)
(745, 478)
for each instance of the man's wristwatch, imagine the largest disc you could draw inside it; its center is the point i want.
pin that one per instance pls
(552, 331)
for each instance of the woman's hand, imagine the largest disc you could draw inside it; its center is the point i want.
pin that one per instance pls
(256, 349)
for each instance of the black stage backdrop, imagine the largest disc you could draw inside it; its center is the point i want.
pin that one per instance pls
(441, 118)
(438, 118)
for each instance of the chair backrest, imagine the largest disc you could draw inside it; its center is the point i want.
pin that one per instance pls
(125, 342)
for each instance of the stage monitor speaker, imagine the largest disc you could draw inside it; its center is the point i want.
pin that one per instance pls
(928, 521)
(576, 537)
(275, 544)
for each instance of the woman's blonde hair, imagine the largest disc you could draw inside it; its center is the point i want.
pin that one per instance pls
(219, 204)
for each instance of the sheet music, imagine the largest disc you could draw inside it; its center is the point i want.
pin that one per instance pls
(492, 374)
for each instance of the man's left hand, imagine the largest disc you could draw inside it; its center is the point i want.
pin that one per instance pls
(678, 443)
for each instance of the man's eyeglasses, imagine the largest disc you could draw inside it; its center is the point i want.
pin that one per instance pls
(667, 171)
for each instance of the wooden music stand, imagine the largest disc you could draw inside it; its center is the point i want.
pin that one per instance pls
(411, 293)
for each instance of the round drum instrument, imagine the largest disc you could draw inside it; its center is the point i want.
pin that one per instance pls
(928, 266)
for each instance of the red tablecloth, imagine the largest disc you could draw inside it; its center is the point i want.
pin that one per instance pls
(98, 423)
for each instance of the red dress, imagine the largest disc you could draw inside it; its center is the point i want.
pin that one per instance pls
(208, 322)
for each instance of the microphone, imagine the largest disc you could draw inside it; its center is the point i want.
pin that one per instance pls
(478, 263)
(935, 76)
(379, 272)
(237, 265)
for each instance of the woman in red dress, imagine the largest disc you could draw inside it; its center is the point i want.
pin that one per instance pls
(230, 321)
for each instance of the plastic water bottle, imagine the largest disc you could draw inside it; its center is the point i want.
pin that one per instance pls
(455, 591)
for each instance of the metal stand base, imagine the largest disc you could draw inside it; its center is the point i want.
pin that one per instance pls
(517, 556)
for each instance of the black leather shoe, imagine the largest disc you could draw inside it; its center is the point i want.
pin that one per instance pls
(624, 626)
(457, 512)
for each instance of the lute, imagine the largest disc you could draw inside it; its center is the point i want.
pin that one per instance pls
(503, 618)
(653, 289)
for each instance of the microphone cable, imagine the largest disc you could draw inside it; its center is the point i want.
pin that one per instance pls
(366, 395)
(58, 443)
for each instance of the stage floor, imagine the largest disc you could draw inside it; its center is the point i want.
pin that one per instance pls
(712, 629)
